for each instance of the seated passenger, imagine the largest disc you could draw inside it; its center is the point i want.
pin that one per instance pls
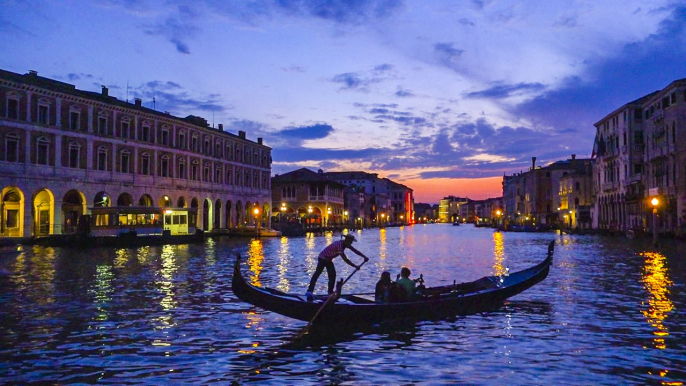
(406, 283)
(383, 288)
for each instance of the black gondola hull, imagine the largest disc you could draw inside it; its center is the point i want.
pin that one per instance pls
(490, 292)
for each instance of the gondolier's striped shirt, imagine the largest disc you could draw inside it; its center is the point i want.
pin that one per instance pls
(333, 250)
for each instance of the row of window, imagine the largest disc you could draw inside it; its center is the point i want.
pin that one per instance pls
(210, 171)
(126, 129)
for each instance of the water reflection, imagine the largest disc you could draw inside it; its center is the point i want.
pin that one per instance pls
(283, 262)
(498, 254)
(382, 244)
(656, 282)
(102, 291)
(255, 260)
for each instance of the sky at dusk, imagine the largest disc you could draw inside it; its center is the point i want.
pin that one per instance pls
(442, 96)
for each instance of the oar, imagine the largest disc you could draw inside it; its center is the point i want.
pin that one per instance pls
(331, 298)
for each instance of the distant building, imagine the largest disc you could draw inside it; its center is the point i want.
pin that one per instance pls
(533, 198)
(309, 198)
(65, 151)
(449, 209)
(425, 212)
(386, 201)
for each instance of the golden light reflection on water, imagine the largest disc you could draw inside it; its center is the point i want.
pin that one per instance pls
(102, 290)
(165, 284)
(255, 260)
(383, 247)
(656, 282)
(498, 254)
(253, 323)
(284, 260)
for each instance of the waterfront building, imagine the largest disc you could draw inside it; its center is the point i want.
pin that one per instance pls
(308, 198)
(424, 213)
(486, 211)
(641, 154)
(575, 198)
(664, 113)
(528, 198)
(619, 188)
(64, 151)
(449, 209)
(386, 202)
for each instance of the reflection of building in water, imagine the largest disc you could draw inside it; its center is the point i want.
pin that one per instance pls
(498, 254)
(656, 282)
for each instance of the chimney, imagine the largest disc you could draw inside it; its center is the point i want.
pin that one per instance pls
(533, 163)
(138, 102)
(105, 91)
(573, 157)
(241, 134)
(259, 141)
(33, 72)
(221, 127)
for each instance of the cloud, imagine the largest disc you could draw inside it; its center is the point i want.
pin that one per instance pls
(637, 70)
(402, 93)
(447, 54)
(177, 31)
(172, 97)
(360, 81)
(316, 131)
(500, 90)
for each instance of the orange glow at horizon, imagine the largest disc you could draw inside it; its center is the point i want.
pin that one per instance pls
(433, 190)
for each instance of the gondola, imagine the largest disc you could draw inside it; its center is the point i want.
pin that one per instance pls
(484, 294)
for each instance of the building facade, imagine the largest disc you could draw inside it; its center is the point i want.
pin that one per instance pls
(309, 198)
(63, 151)
(640, 152)
(533, 198)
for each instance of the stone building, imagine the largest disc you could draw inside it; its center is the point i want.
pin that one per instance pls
(618, 169)
(664, 113)
(533, 198)
(641, 154)
(309, 198)
(63, 151)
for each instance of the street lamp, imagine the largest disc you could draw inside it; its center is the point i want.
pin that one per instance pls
(309, 214)
(256, 212)
(283, 210)
(345, 217)
(328, 215)
(654, 202)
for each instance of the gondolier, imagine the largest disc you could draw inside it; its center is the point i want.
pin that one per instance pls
(337, 248)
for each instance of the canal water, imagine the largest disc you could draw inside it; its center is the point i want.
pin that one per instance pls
(610, 312)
